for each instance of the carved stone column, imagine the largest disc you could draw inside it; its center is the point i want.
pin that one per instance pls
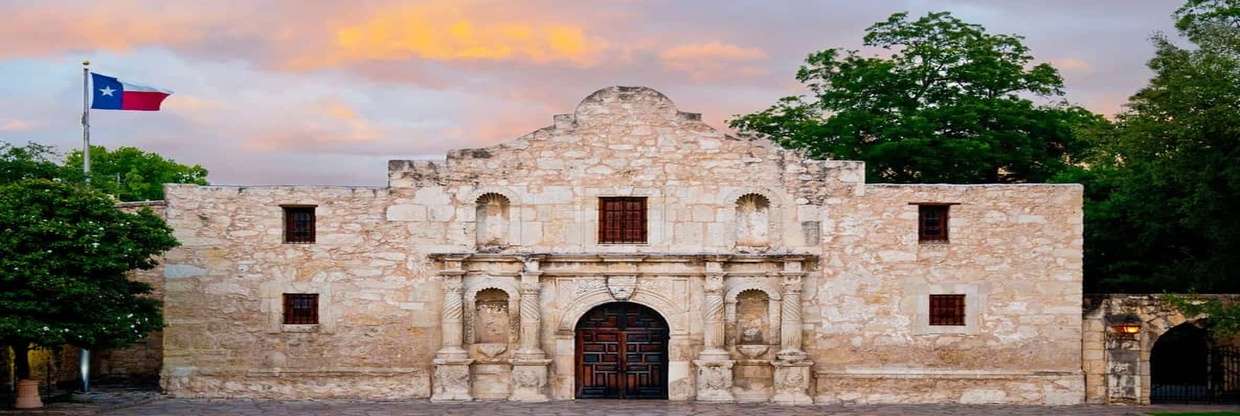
(714, 364)
(451, 361)
(529, 364)
(792, 364)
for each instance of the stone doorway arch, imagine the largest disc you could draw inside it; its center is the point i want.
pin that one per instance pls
(621, 353)
(1180, 365)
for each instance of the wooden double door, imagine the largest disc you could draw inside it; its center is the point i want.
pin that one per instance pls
(621, 353)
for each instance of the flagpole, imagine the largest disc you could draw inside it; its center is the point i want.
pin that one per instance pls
(86, 119)
(84, 354)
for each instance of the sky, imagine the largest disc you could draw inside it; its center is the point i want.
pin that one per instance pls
(318, 92)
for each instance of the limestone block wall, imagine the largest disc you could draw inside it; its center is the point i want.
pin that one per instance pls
(1014, 251)
(378, 310)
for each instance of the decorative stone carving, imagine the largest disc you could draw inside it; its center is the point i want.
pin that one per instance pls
(622, 287)
(491, 350)
(529, 380)
(451, 361)
(752, 351)
(792, 382)
(529, 366)
(585, 286)
(790, 319)
(714, 380)
(451, 380)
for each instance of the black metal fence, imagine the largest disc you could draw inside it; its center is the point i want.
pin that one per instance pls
(1218, 382)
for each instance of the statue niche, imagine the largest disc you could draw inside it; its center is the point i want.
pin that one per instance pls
(492, 221)
(752, 317)
(492, 322)
(753, 222)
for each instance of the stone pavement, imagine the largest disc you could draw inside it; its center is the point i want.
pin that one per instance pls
(608, 408)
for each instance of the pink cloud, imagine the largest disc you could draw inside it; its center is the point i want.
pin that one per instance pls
(714, 60)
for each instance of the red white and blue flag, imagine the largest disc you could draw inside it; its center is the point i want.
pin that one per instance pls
(112, 94)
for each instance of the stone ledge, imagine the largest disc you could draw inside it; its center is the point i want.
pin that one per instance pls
(943, 374)
(324, 372)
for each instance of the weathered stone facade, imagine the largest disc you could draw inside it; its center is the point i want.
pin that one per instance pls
(780, 278)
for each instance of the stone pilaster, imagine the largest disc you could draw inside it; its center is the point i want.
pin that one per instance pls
(451, 361)
(714, 364)
(791, 363)
(529, 364)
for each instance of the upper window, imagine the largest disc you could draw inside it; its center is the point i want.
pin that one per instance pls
(301, 308)
(947, 310)
(622, 220)
(932, 222)
(299, 224)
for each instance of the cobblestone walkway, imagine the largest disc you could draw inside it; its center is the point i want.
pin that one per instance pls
(608, 408)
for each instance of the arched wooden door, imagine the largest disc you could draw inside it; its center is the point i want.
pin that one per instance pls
(621, 353)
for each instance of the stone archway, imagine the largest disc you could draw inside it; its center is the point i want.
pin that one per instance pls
(621, 353)
(1180, 365)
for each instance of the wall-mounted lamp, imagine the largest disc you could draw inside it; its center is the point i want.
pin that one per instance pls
(1127, 329)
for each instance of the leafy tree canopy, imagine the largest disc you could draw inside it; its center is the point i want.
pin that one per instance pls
(65, 251)
(32, 161)
(1166, 177)
(128, 173)
(947, 104)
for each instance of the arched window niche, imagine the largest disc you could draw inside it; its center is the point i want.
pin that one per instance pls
(753, 221)
(492, 221)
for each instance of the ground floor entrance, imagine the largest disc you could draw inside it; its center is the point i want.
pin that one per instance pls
(1186, 366)
(621, 353)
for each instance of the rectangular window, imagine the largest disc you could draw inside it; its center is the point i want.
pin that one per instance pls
(299, 224)
(932, 222)
(301, 308)
(622, 220)
(947, 310)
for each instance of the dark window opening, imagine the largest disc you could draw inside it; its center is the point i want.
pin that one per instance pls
(301, 308)
(622, 220)
(299, 224)
(932, 222)
(947, 310)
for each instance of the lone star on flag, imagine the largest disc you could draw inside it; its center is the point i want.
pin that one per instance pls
(107, 91)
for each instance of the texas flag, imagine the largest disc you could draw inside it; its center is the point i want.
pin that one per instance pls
(112, 94)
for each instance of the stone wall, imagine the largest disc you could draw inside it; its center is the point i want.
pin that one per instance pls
(1117, 365)
(731, 223)
(378, 309)
(1014, 251)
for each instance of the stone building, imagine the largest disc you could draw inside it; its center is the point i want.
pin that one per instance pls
(627, 250)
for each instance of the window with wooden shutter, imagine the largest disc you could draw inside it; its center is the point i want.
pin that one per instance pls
(622, 220)
(947, 310)
(932, 222)
(299, 224)
(301, 308)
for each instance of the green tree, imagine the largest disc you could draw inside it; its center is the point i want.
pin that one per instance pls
(947, 105)
(1167, 176)
(132, 174)
(32, 161)
(65, 251)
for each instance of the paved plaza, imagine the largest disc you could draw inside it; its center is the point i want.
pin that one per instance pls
(608, 408)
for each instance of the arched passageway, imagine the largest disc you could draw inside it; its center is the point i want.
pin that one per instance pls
(1186, 366)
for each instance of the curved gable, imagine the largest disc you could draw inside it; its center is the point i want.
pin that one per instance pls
(634, 136)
